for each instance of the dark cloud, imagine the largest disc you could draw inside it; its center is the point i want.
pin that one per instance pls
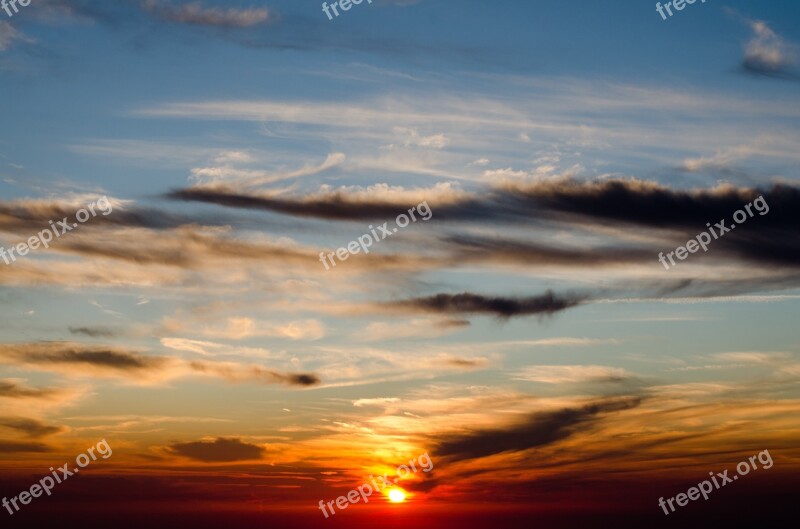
(467, 303)
(770, 236)
(75, 358)
(334, 207)
(11, 447)
(766, 237)
(300, 379)
(69, 354)
(621, 200)
(338, 205)
(651, 204)
(450, 323)
(478, 248)
(236, 373)
(10, 389)
(539, 429)
(465, 363)
(29, 427)
(94, 332)
(219, 450)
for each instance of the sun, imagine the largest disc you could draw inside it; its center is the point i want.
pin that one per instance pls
(397, 496)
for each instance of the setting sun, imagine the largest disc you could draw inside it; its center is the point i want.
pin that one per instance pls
(412, 267)
(397, 496)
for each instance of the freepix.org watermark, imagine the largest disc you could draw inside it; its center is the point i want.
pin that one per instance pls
(677, 4)
(694, 493)
(59, 228)
(7, 5)
(365, 491)
(47, 483)
(364, 242)
(344, 5)
(703, 239)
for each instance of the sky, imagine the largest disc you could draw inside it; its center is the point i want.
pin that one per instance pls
(245, 319)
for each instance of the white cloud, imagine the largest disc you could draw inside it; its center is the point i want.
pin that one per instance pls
(574, 373)
(416, 328)
(255, 177)
(766, 52)
(213, 349)
(441, 193)
(234, 157)
(410, 137)
(754, 357)
(375, 402)
(241, 328)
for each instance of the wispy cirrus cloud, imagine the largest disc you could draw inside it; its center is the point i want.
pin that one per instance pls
(573, 374)
(229, 174)
(239, 328)
(9, 36)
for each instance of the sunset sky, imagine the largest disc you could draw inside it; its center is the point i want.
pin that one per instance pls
(525, 336)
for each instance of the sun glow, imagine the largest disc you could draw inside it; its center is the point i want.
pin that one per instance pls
(397, 496)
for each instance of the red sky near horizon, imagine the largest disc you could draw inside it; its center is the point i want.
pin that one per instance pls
(545, 254)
